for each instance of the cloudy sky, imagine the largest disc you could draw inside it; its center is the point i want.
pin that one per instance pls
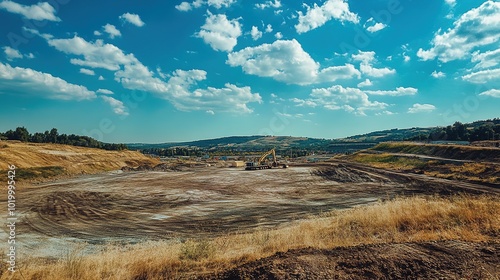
(123, 71)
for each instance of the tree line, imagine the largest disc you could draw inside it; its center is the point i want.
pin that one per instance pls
(480, 131)
(53, 136)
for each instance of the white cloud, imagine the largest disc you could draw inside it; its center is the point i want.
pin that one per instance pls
(87, 71)
(303, 103)
(220, 33)
(366, 66)
(372, 26)
(369, 70)
(476, 28)
(104, 91)
(492, 92)
(487, 59)
(112, 31)
(256, 33)
(101, 78)
(351, 100)
(26, 80)
(220, 3)
(438, 75)
(210, 112)
(116, 105)
(268, 4)
(406, 58)
(286, 61)
(133, 19)
(97, 33)
(278, 35)
(95, 55)
(483, 76)
(375, 28)
(11, 53)
(421, 108)
(365, 83)
(450, 2)
(186, 6)
(400, 91)
(180, 89)
(318, 15)
(39, 11)
(269, 28)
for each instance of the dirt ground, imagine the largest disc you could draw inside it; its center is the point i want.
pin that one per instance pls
(202, 202)
(427, 260)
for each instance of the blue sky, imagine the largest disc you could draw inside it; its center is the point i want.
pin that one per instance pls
(123, 71)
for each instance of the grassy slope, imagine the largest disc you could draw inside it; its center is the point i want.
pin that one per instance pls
(480, 171)
(401, 220)
(40, 161)
(445, 151)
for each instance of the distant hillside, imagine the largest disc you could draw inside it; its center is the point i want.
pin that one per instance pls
(479, 130)
(392, 135)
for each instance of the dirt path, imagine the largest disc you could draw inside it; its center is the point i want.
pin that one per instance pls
(428, 260)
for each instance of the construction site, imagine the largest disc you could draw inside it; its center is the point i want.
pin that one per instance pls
(175, 202)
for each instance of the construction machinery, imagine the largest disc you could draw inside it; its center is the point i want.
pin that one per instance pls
(262, 164)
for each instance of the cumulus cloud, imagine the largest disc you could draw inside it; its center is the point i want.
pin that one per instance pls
(351, 100)
(269, 28)
(372, 26)
(39, 11)
(104, 91)
(450, 2)
(482, 77)
(269, 4)
(365, 83)
(133, 19)
(487, 59)
(219, 32)
(278, 35)
(476, 28)
(26, 80)
(87, 71)
(286, 61)
(421, 108)
(317, 16)
(438, 75)
(187, 6)
(400, 91)
(112, 31)
(180, 89)
(11, 53)
(492, 92)
(256, 33)
(116, 105)
(367, 59)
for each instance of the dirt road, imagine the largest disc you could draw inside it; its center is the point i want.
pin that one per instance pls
(203, 202)
(428, 260)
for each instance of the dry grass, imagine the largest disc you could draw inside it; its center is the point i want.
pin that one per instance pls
(474, 171)
(36, 160)
(388, 161)
(400, 220)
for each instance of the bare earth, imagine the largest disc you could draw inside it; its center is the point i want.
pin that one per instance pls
(427, 260)
(202, 202)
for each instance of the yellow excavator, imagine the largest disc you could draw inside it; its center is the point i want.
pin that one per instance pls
(262, 165)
